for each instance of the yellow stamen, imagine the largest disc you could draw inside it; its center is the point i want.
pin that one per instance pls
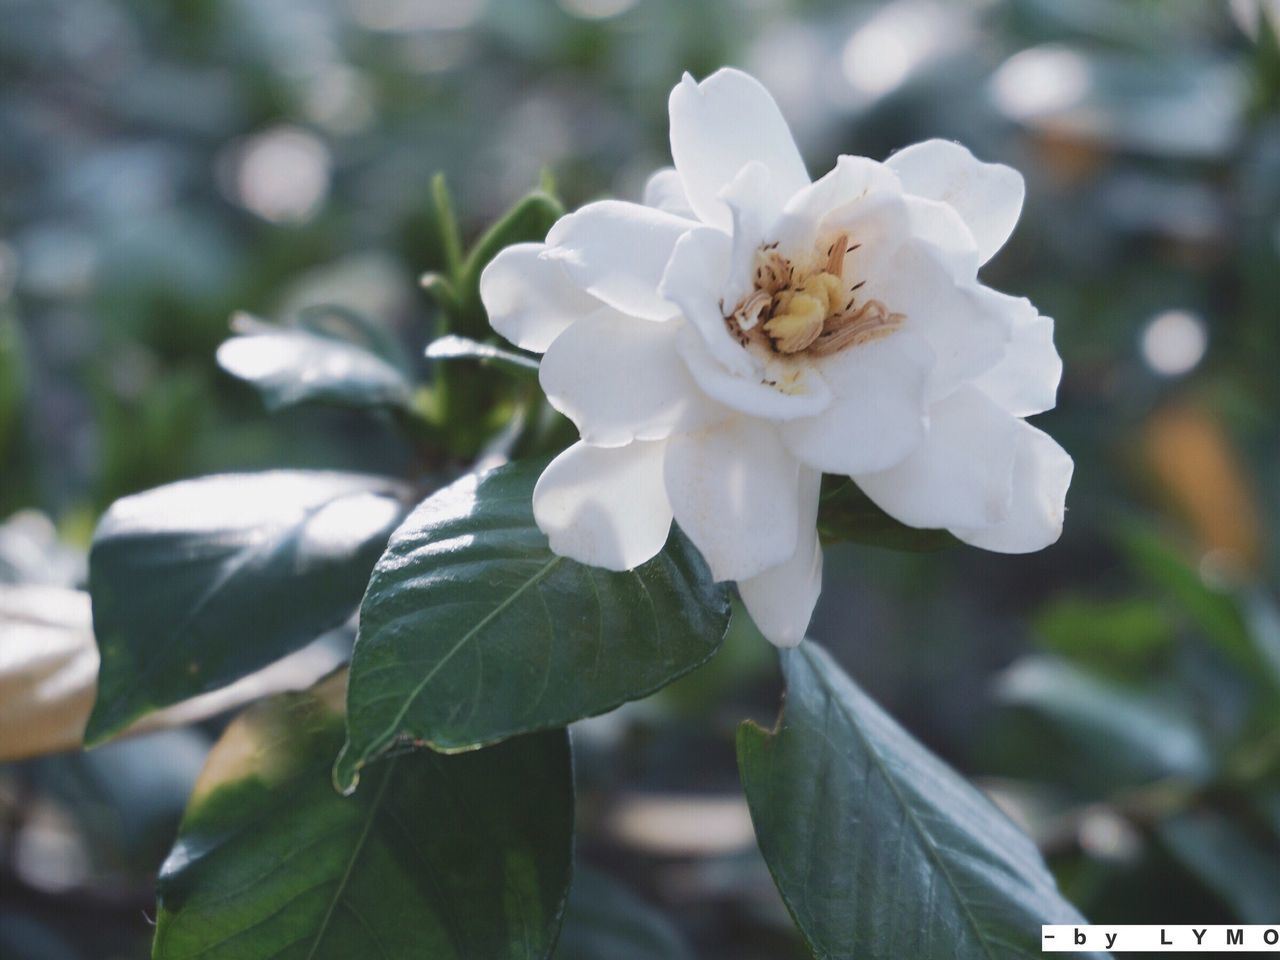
(800, 313)
(797, 322)
(807, 305)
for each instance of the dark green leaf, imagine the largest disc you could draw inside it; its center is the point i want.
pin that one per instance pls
(846, 513)
(880, 850)
(605, 921)
(745, 658)
(452, 858)
(198, 583)
(321, 359)
(1243, 869)
(473, 630)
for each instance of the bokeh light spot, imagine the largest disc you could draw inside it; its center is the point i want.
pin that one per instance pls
(1174, 342)
(405, 16)
(596, 9)
(883, 52)
(282, 175)
(1041, 81)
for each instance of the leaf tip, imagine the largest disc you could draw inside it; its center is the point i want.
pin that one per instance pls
(346, 771)
(101, 726)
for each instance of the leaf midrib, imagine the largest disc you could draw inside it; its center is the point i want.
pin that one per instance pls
(390, 731)
(924, 835)
(351, 863)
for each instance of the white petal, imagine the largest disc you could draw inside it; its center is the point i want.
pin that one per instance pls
(851, 180)
(878, 225)
(967, 329)
(726, 371)
(694, 281)
(619, 379)
(734, 491)
(720, 125)
(1041, 474)
(781, 600)
(756, 394)
(751, 219)
(617, 251)
(606, 507)
(878, 412)
(961, 473)
(665, 191)
(1025, 380)
(988, 196)
(939, 224)
(530, 300)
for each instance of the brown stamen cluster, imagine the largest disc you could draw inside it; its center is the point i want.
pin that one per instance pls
(793, 309)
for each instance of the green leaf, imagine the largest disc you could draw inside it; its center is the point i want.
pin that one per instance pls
(13, 385)
(446, 225)
(453, 347)
(323, 358)
(198, 583)
(846, 513)
(473, 630)
(1243, 869)
(452, 858)
(879, 849)
(1215, 613)
(606, 921)
(1149, 735)
(1122, 636)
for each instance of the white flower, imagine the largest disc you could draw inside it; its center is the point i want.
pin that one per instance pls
(746, 330)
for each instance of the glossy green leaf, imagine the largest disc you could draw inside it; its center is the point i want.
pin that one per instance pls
(846, 513)
(473, 630)
(606, 921)
(326, 356)
(452, 858)
(879, 849)
(201, 582)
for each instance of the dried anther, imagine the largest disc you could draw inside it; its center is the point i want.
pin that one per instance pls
(869, 322)
(794, 308)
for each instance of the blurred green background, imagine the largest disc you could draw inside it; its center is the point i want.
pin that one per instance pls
(163, 164)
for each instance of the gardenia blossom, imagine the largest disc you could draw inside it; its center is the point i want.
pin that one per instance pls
(746, 330)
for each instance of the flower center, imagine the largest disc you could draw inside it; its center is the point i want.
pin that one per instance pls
(808, 306)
